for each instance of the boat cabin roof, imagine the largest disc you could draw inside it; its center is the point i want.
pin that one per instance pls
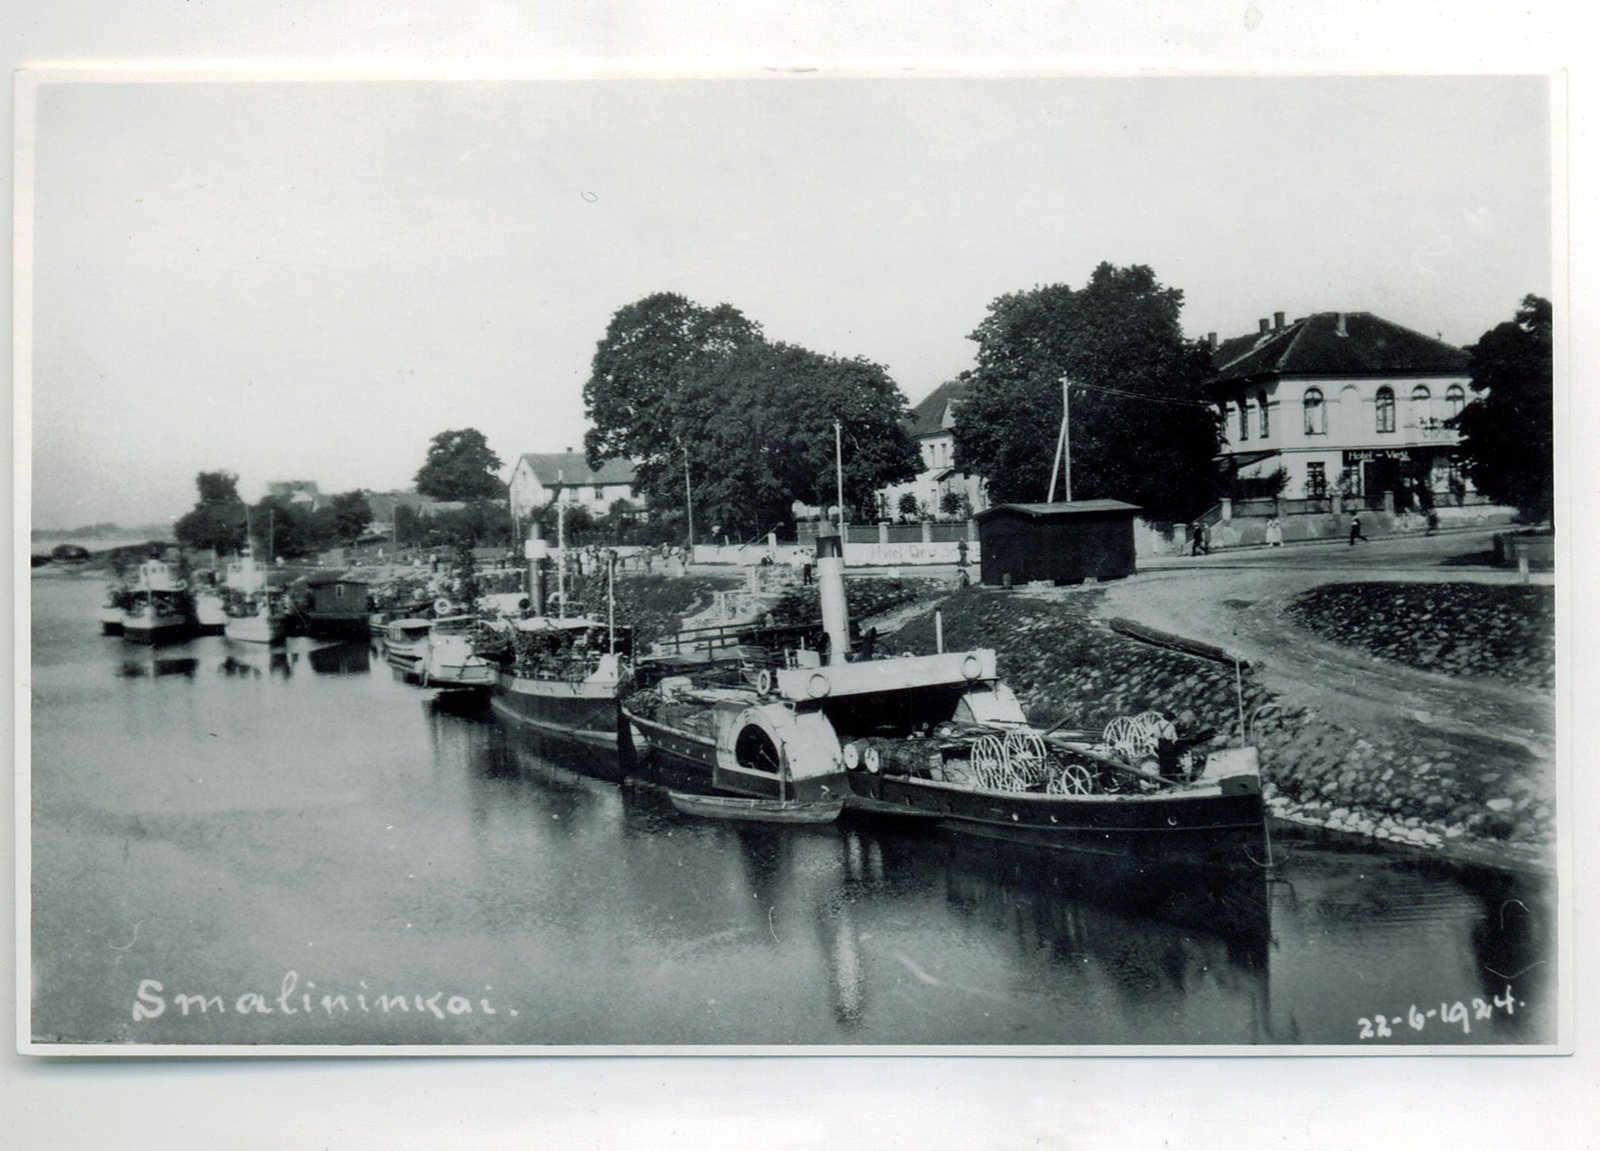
(536, 623)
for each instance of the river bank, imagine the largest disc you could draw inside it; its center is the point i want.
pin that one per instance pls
(1441, 790)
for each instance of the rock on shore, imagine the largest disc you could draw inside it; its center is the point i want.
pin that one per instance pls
(1420, 787)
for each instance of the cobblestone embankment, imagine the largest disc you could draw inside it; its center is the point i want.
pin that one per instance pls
(1503, 632)
(1424, 788)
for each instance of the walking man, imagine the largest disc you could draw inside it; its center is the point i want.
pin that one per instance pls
(1355, 530)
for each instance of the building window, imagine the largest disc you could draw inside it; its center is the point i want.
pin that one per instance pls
(1385, 405)
(1261, 404)
(1316, 481)
(1455, 398)
(1244, 419)
(1316, 413)
(599, 494)
(1421, 412)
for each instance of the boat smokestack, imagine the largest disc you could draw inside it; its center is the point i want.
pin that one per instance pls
(830, 583)
(534, 551)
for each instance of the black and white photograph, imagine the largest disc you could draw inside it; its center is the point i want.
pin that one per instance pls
(787, 562)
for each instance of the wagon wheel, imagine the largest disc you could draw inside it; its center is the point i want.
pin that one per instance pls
(1073, 779)
(1026, 756)
(1154, 727)
(989, 763)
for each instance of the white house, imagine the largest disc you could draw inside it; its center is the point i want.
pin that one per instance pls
(932, 425)
(1342, 402)
(539, 478)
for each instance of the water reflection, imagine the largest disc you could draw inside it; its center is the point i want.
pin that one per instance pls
(158, 666)
(342, 659)
(257, 663)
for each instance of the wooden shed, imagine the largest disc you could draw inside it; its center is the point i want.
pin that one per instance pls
(1062, 543)
(338, 605)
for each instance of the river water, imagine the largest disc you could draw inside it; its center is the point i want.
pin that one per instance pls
(237, 846)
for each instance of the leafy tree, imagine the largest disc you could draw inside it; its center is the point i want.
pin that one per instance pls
(648, 357)
(950, 502)
(1141, 430)
(759, 427)
(351, 516)
(282, 529)
(908, 505)
(1507, 432)
(218, 519)
(460, 466)
(679, 388)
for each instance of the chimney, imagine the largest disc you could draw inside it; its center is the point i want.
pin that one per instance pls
(1211, 340)
(1266, 325)
(1339, 327)
(1277, 321)
(830, 586)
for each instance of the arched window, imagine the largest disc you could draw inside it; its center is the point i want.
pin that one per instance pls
(1455, 398)
(1316, 413)
(1385, 405)
(1261, 404)
(1421, 407)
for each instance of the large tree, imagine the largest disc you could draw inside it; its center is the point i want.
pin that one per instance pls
(218, 518)
(680, 388)
(1507, 432)
(760, 433)
(651, 352)
(351, 516)
(1141, 429)
(460, 466)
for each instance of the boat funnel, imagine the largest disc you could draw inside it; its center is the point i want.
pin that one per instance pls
(830, 583)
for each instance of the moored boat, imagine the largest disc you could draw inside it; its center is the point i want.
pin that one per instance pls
(564, 676)
(756, 810)
(405, 644)
(210, 612)
(940, 738)
(259, 620)
(158, 609)
(118, 600)
(451, 661)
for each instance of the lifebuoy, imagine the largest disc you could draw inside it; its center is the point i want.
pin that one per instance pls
(763, 681)
(441, 606)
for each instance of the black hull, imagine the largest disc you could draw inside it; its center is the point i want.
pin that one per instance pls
(686, 762)
(558, 708)
(1213, 829)
(164, 633)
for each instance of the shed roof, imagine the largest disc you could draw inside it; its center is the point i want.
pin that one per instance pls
(1058, 511)
(1336, 344)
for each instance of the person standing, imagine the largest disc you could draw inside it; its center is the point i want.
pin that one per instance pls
(1355, 530)
(1199, 543)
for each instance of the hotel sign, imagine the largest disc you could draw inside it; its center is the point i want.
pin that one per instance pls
(1364, 455)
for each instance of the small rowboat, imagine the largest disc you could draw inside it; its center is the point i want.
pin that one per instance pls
(757, 810)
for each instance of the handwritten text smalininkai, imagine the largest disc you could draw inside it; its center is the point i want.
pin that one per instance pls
(152, 1000)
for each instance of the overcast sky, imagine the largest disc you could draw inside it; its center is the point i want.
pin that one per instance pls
(310, 280)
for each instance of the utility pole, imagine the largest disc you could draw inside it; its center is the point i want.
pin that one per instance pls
(838, 463)
(688, 498)
(1063, 458)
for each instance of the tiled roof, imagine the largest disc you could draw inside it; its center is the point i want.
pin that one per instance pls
(1314, 346)
(572, 468)
(927, 416)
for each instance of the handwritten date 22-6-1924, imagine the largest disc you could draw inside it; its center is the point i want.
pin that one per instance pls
(1461, 1013)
